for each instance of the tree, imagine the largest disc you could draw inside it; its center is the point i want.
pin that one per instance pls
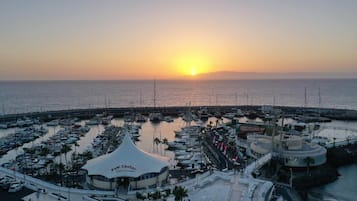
(308, 161)
(156, 195)
(334, 141)
(75, 146)
(44, 151)
(87, 155)
(199, 138)
(210, 124)
(166, 142)
(348, 139)
(114, 142)
(64, 150)
(59, 167)
(157, 141)
(231, 144)
(73, 160)
(179, 193)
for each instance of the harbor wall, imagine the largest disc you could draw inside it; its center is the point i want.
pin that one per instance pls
(339, 114)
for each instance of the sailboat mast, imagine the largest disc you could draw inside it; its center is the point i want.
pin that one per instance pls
(305, 96)
(319, 100)
(154, 93)
(141, 99)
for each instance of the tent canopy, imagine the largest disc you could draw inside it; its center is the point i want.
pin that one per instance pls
(126, 161)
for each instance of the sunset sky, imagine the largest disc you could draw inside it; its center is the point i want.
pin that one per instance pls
(45, 40)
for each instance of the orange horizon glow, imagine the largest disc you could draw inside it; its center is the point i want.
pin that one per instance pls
(174, 39)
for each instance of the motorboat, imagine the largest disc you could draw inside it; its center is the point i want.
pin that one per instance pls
(168, 119)
(92, 122)
(53, 123)
(203, 114)
(3, 126)
(140, 118)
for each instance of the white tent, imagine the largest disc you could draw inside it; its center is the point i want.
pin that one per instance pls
(126, 161)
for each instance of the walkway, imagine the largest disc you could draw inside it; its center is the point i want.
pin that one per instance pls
(68, 193)
(236, 189)
(256, 165)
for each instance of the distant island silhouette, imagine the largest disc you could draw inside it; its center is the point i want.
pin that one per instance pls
(233, 75)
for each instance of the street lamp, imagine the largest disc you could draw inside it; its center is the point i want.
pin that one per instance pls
(291, 179)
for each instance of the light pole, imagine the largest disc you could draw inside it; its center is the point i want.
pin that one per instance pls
(291, 179)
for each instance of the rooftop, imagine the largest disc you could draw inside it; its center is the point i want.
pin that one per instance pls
(126, 161)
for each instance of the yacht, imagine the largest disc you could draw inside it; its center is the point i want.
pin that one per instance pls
(168, 119)
(106, 120)
(155, 117)
(93, 121)
(140, 118)
(177, 144)
(203, 114)
(3, 126)
(53, 123)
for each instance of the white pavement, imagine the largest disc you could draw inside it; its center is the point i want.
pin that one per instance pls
(218, 186)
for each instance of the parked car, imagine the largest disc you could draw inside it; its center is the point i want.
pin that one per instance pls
(6, 182)
(14, 187)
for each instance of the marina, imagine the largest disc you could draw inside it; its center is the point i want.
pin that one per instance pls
(191, 147)
(178, 100)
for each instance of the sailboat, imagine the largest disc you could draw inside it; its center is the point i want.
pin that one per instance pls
(188, 117)
(155, 117)
(3, 125)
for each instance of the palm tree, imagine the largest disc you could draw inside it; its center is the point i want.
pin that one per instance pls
(44, 151)
(210, 124)
(87, 155)
(348, 139)
(64, 150)
(75, 147)
(59, 168)
(199, 138)
(73, 159)
(308, 160)
(334, 141)
(166, 142)
(179, 193)
(157, 141)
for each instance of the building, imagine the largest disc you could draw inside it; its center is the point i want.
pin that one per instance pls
(291, 150)
(127, 167)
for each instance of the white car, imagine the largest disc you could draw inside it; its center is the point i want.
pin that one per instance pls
(15, 187)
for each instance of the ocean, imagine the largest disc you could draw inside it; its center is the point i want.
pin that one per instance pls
(37, 96)
(29, 96)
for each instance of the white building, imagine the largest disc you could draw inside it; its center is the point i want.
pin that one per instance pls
(293, 150)
(127, 167)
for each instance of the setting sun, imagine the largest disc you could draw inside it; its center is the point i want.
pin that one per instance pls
(192, 65)
(193, 72)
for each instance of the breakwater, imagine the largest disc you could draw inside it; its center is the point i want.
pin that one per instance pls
(337, 114)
